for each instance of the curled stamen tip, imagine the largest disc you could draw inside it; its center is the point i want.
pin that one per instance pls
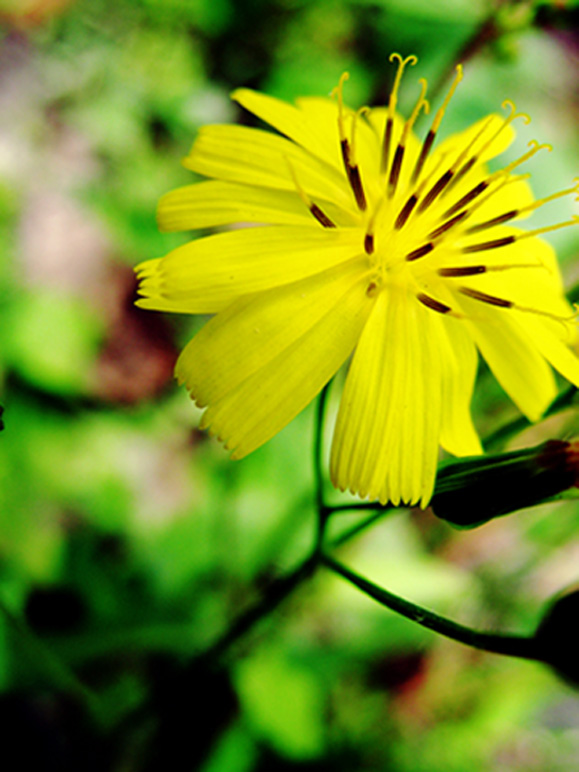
(509, 105)
(338, 89)
(396, 57)
(525, 116)
(534, 145)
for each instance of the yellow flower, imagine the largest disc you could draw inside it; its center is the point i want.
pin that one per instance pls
(372, 244)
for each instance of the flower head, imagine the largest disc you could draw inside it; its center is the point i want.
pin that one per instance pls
(373, 245)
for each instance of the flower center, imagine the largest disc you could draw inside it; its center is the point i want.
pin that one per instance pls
(419, 228)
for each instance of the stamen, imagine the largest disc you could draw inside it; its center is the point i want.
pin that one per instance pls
(495, 244)
(320, 215)
(435, 190)
(502, 218)
(369, 237)
(357, 114)
(352, 170)
(447, 225)
(420, 252)
(434, 305)
(467, 198)
(408, 207)
(459, 168)
(466, 167)
(473, 270)
(411, 60)
(535, 147)
(462, 270)
(428, 142)
(484, 298)
(338, 93)
(487, 183)
(538, 231)
(406, 211)
(493, 300)
(399, 154)
(547, 199)
(395, 170)
(507, 104)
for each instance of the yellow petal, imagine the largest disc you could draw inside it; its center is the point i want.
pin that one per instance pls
(206, 275)
(262, 360)
(552, 339)
(512, 355)
(458, 434)
(388, 427)
(212, 203)
(293, 123)
(255, 157)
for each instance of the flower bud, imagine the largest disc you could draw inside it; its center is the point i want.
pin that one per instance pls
(557, 636)
(474, 490)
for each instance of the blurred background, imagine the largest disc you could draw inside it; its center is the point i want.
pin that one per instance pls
(128, 540)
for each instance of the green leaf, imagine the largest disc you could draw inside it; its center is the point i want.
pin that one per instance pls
(283, 702)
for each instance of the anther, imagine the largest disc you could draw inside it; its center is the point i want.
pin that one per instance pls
(406, 211)
(420, 252)
(462, 270)
(467, 198)
(502, 218)
(399, 153)
(484, 298)
(369, 237)
(395, 170)
(320, 215)
(506, 180)
(434, 305)
(435, 190)
(474, 270)
(494, 244)
(352, 170)
(447, 225)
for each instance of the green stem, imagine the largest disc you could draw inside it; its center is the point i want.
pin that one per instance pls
(273, 596)
(50, 666)
(510, 645)
(323, 511)
(350, 533)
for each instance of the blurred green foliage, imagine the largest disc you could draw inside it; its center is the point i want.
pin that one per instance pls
(128, 540)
